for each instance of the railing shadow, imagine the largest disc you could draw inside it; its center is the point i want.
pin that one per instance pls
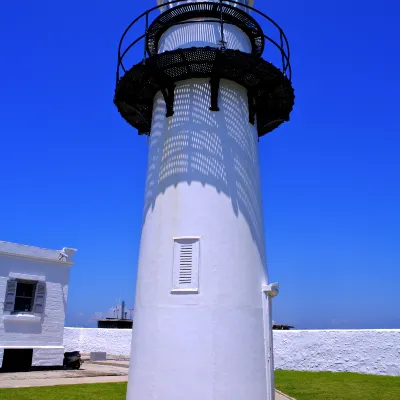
(218, 149)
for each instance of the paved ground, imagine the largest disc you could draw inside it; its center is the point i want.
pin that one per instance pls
(113, 369)
(281, 396)
(89, 373)
(124, 364)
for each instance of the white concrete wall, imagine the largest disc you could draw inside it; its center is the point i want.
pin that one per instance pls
(112, 341)
(363, 351)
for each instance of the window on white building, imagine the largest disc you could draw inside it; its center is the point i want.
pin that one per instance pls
(25, 296)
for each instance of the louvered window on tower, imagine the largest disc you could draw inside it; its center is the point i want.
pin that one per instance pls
(186, 265)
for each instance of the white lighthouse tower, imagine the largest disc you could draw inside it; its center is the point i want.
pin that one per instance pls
(204, 95)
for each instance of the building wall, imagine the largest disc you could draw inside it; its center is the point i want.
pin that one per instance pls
(112, 341)
(363, 351)
(48, 328)
(50, 356)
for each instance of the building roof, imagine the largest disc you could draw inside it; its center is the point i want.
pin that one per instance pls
(64, 256)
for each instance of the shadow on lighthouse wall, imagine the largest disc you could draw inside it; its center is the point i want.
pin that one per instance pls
(219, 149)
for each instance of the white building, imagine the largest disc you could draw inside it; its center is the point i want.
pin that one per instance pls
(204, 96)
(33, 300)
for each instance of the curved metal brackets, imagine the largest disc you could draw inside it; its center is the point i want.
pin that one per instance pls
(252, 107)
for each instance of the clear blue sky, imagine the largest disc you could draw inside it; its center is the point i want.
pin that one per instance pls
(73, 172)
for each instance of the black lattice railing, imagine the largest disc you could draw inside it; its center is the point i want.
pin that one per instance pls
(269, 88)
(222, 10)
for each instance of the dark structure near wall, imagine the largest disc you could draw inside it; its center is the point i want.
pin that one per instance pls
(278, 327)
(114, 323)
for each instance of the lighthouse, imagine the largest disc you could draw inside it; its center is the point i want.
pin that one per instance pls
(207, 83)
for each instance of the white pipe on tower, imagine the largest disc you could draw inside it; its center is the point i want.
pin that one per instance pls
(206, 337)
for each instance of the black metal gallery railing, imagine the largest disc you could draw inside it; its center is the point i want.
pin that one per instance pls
(223, 12)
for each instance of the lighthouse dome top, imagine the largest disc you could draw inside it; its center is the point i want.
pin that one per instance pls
(233, 3)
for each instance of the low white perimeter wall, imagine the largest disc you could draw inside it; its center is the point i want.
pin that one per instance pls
(85, 340)
(364, 351)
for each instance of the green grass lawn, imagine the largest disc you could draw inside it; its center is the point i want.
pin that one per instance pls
(300, 385)
(337, 386)
(98, 391)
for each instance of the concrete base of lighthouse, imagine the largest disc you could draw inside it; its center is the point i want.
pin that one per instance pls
(203, 182)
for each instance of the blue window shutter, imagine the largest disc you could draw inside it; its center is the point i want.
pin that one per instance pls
(11, 291)
(40, 297)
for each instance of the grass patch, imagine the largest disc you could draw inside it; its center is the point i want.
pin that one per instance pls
(92, 391)
(300, 385)
(337, 386)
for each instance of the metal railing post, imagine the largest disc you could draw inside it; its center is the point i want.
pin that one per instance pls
(145, 38)
(222, 26)
(282, 53)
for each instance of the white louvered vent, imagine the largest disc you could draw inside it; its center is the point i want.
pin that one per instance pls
(186, 265)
